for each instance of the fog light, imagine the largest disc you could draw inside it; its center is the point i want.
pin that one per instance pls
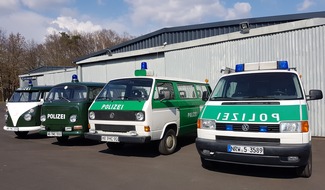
(206, 152)
(133, 133)
(68, 128)
(293, 158)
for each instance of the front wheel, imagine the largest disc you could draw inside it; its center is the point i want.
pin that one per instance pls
(21, 134)
(306, 171)
(168, 143)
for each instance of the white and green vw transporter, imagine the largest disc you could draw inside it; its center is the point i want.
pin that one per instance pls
(65, 109)
(143, 108)
(258, 115)
(24, 109)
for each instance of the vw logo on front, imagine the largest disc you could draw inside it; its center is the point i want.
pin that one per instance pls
(245, 127)
(112, 115)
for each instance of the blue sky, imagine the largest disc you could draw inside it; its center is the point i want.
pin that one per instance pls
(35, 19)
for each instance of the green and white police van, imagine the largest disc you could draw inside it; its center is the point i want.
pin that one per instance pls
(258, 115)
(142, 109)
(24, 109)
(65, 109)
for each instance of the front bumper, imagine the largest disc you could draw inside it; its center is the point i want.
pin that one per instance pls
(274, 154)
(64, 133)
(122, 139)
(27, 128)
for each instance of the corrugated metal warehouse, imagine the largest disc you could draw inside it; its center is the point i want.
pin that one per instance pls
(200, 51)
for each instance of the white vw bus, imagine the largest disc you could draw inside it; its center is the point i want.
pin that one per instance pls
(258, 115)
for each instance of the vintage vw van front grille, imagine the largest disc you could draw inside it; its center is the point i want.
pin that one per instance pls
(115, 128)
(116, 115)
(251, 127)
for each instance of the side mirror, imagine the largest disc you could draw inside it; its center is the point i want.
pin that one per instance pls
(315, 95)
(205, 96)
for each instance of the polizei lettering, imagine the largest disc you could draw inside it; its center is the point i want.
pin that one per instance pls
(56, 116)
(243, 117)
(112, 107)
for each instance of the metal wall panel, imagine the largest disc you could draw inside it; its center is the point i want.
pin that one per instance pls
(105, 71)
(303, 49)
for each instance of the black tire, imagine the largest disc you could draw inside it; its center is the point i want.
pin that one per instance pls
(206, 163)
(63, 139)
(306, 171)
(21, 134)
(168, 143)
(115, 146)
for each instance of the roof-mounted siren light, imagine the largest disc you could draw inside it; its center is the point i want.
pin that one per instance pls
(144, 70)
(144, 66)
(283, 65)
(30, 83)
(267, 65)
(75, 78)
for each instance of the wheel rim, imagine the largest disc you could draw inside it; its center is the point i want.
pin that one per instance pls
(170, 142)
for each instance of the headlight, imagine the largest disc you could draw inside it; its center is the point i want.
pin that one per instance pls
(207, 124)
(28, 117)
(91, 115)
(43, 118)
(290, 127)
(139, 116)
(73, 118)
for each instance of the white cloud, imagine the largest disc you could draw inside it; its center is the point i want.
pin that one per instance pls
(180, 12)
(305, 5)
(240, 10)
(72, 25)
(29, 24)
(8, 6)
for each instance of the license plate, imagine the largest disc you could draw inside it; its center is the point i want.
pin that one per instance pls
(245, 149)
(54, 134)
(110, 138)
(12, 128)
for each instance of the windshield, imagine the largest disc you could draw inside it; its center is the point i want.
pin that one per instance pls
(258, 86)
(27, 96)
(67, 93)
(126, 89)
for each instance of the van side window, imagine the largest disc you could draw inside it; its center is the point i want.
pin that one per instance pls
(164, 90)
(186, 91)
(200, 89)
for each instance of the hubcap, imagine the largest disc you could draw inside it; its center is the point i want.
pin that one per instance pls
(169, 141)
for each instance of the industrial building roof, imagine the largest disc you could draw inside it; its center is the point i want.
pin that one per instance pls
(180, 34)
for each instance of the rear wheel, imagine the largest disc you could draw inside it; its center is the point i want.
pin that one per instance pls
(21, 134)
(168, 143)
(63, 139)
(115, 146)
(306, 171)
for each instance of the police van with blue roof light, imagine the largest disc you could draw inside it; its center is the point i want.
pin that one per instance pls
(258, 115)
(146, 108)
